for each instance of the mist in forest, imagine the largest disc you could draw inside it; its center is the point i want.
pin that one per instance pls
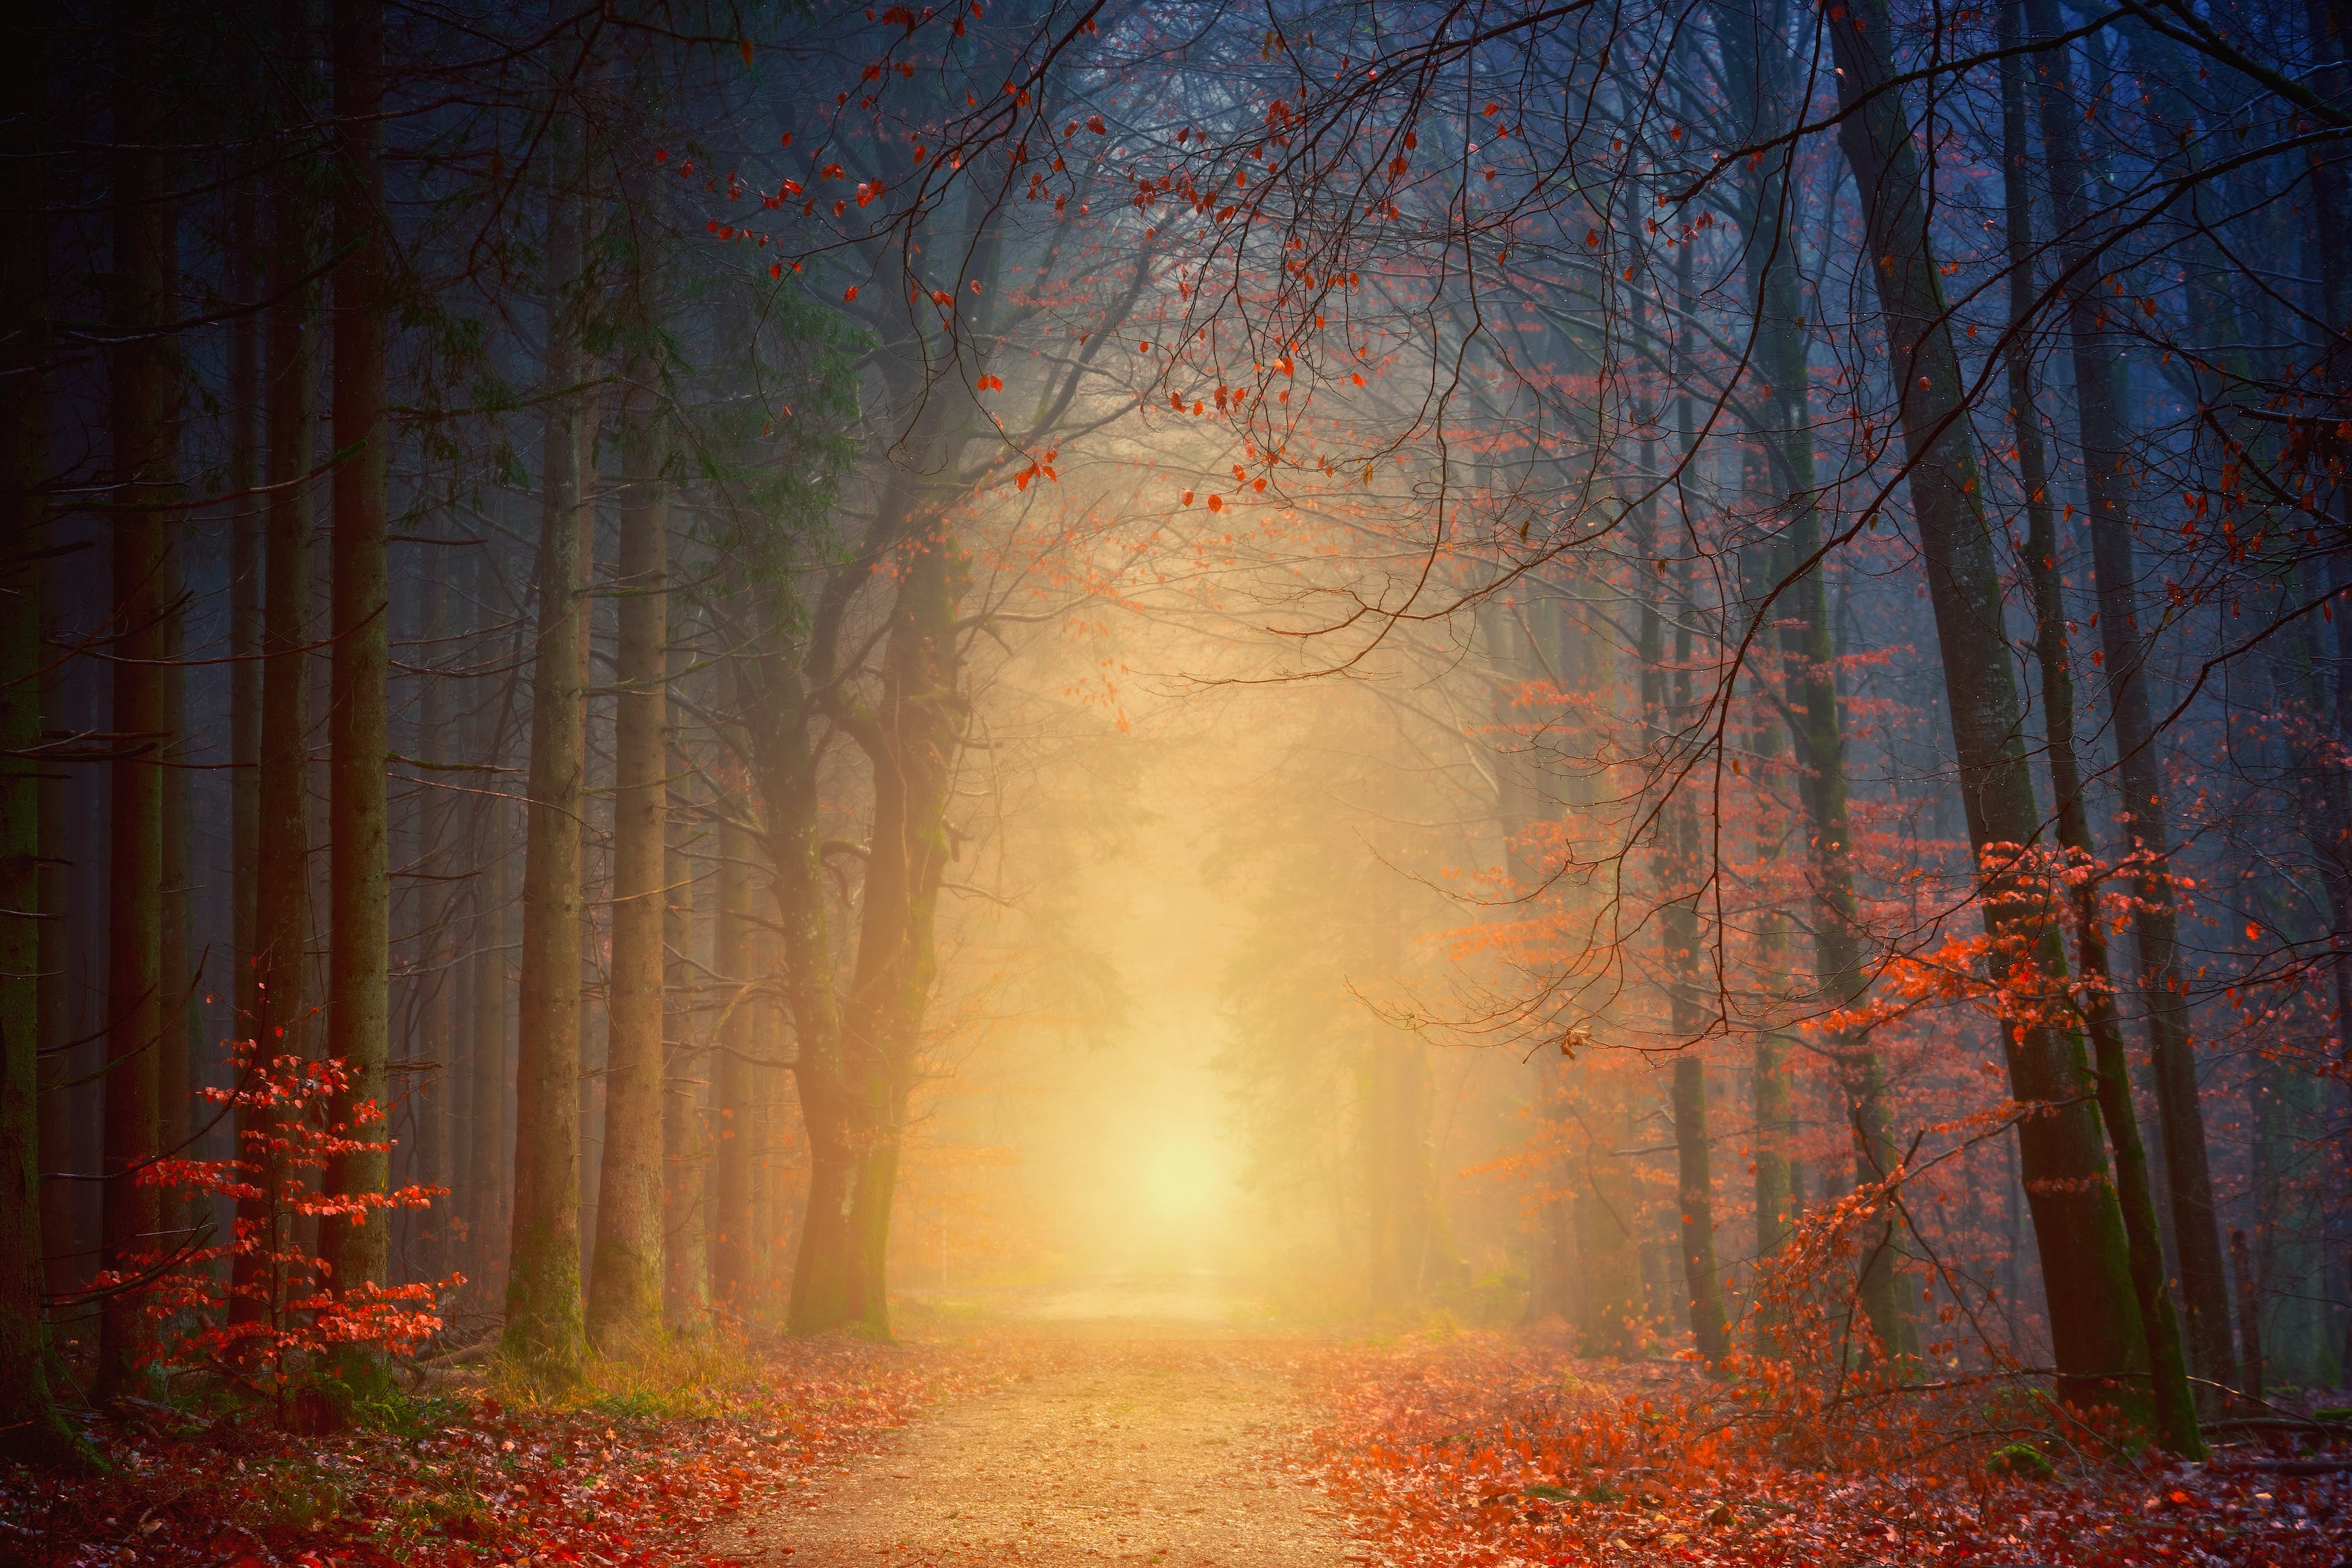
(1669, 680)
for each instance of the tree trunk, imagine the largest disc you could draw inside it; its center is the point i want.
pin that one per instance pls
(65, 1268)
(245, 600)
(1757, 71)
(2176, 1415)
(625, 1298)
(432, 1079)
(686, 1152)
(2094, 1315)
(486, 1161)
(1694, 1154)
(2249, 1314)
(358, 997)
(31, 1426)
(1608, 1320)
(279, 970)
(1751, 47)
(786, 771)
(1678, 936)
(2197, 1234)
(544, 1330)
(143, 395)
(911, 743)
(730, 1168)
(175, 1041)
(175, 1050)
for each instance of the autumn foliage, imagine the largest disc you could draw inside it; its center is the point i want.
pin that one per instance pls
(258, 1306)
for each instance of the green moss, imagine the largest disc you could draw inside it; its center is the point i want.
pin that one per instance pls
(2022, 1460)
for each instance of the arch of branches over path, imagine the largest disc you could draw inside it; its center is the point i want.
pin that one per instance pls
(1680, 309)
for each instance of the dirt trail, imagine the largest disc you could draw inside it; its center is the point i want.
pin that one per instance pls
(1121, 1446)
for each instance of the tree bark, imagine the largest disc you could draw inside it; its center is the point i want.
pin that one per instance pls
(486, 1161)
(245, 599)
(1679, 933)
(731, 1169)
(910, 742)
(144, 396)
(31, 1426)
(625, 1298)
(2094, 1315)
(686, 1152)
(2249, 1314)
(432, 1079)
(63, 1266)
(358, 997)
(2197, 1234)
(1610, 1307)
(2175, 1410)
(279, 1015)
(176, 1018)
(1756, 70)
(544, 1330)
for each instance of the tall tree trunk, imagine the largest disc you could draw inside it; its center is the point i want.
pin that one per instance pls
(175, 1051)
(1610, 1307)
(64, 1269)
(2093, 1314)
(544, 1330)
(143, 392)
(486, 1161)
(911, 744)
(2197, 1233)
(1678, 935)
(1756, 70)
(624, 1297)
(433, 1080)
(771, 683)
(280, 974)
(1694, 1138)
(685, 1257)
(245, 597)
(358, 993)
(2249, 1314)
(731, 1169)
(2176, 1415)
(30, 1427)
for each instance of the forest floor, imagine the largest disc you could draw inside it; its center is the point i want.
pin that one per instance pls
(1104, 1444)
(1058, 1438)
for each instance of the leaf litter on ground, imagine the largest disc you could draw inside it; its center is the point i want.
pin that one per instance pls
(1489, 1451)
(627, 1475)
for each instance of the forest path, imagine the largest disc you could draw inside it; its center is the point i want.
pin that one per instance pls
(1128, 1443)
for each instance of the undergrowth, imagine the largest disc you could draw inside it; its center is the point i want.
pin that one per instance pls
(634, 1464)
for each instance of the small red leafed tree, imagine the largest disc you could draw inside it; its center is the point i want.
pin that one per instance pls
(267, 1324)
